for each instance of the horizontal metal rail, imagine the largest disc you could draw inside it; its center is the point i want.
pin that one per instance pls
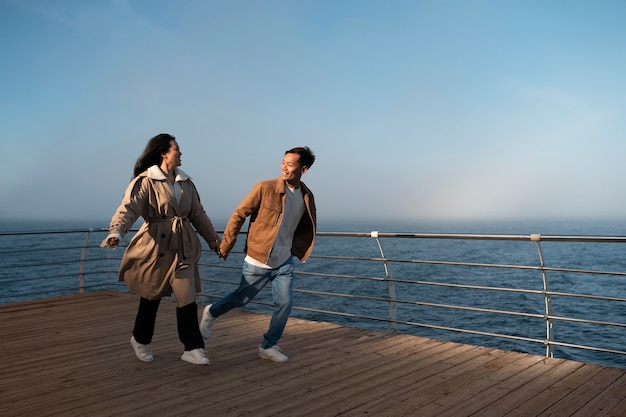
(447, 302)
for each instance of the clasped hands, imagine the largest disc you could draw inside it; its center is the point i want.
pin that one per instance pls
(113, 242)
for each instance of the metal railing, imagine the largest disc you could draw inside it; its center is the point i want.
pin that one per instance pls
(491, 290)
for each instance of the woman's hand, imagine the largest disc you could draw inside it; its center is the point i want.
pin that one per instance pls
(112, 242)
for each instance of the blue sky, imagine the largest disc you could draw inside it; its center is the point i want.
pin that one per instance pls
(446, 110)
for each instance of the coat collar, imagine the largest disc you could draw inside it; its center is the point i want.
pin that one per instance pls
(155, 173)
(280, 186)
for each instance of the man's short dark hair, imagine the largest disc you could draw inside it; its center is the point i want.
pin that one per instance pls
(307, 157)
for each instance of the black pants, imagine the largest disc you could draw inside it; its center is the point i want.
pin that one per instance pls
(186, 319)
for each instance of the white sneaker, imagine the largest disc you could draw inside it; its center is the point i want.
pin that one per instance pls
(142, 352)
(196, 356)
(207, 322)
(274, 354)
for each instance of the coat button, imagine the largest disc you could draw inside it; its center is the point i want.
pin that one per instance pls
(184, 258)
(161, 255)
(162, 235)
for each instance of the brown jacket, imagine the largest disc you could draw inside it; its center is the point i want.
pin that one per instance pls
(265, 205)
(166, 245)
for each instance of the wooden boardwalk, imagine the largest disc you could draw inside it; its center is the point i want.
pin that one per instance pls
(70, 356)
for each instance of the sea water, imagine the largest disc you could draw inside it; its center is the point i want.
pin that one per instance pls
(25, 258)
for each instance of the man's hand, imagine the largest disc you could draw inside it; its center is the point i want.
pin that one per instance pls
(222, 252)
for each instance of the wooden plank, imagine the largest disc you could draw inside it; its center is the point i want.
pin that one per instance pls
(610, 402)
(577, 400)
(566, 378)
(413, 392)
(71, 356)
(346, 382)
(457, 396)
(619, 410)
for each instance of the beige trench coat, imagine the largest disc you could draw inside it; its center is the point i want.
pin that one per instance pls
(166, 247)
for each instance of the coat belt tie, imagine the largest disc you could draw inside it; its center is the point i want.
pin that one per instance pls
(179, 239)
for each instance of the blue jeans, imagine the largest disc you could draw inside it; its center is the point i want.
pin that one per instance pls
(253, 279)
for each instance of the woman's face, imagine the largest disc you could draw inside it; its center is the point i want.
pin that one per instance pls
(172, 156)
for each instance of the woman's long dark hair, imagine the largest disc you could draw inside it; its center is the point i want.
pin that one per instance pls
(157, 146)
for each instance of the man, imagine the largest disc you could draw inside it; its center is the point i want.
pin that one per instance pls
(282, 225)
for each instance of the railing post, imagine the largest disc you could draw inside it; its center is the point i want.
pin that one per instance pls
(83, 259)
(547, 300)
(392, 315)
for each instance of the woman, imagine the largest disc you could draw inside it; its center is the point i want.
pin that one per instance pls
(162, 258)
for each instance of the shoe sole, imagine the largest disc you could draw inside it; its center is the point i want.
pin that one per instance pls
(273, 359)
(193, 361)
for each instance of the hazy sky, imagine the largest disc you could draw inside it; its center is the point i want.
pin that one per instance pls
(415, 109)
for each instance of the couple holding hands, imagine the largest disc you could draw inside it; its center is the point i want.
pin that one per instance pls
(162, 258)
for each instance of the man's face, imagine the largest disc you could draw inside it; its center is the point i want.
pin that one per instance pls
(291, 169)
